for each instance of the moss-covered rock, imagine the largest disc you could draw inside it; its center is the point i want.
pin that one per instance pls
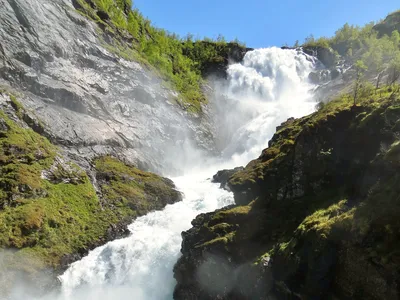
(126, 187)
(50, 212)
(316, 216)
(183, 64)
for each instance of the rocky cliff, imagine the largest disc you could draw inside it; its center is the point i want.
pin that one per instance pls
(91, 101)
(77, 123)
(83, 112)
(51, 213)
(315, 214)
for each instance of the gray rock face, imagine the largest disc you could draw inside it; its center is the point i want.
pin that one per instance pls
(91, 101)
(325, 55)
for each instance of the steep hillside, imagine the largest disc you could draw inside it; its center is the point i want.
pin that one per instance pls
(389, 24)
(90, 91)
(368, 54)
(181, 62)
(50, 213)
(104, 83)
(316, 214)
(93, 97)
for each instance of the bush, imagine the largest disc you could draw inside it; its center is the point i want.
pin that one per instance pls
(179, 61)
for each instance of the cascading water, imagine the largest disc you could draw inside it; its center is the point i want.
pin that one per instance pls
(267, 88)
(270, 86)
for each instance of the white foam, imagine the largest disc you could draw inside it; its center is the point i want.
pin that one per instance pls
(267, 88)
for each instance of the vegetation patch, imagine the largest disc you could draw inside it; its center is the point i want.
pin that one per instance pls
(180, 61)
(132, 190)
(49, 208)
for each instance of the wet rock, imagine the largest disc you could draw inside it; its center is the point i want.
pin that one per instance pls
(321, 76)
(310, 217)
(223, 176)
(78, 88)
(314, 77)
(286, 123)
(325, 55)
(63, 172)
(335, 73)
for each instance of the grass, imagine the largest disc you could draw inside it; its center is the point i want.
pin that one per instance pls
(130, 188)
(322, 221)
(344, 230)
(49, 207)
(371, 104)
(180, 62)
(324, 216)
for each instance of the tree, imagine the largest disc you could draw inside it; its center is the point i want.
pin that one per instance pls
(221, 38)
(395, 38)
(309, 40)
(379, 77)
(373, 59)
(189, 38)
(345, 38)
(133, 25)
(394, 69)
(349, 52)
(360, 68)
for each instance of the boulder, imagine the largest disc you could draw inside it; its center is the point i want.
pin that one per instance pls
(223, 176)
(325, 55)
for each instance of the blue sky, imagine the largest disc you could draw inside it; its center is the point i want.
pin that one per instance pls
(262, 23)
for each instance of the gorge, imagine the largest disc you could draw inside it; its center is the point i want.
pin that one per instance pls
(88, 121)
(140, 264)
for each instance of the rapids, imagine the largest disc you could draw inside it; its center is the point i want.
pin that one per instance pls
(269, 86)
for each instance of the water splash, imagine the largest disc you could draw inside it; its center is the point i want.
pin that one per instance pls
(140, 266)
(270, 86)
(267, 88)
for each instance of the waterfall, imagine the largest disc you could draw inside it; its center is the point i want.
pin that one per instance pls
(269, 86)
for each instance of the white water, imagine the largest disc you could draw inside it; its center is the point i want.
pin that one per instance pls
(140, 266)
(267, 88)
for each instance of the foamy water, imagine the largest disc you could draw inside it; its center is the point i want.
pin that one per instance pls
(267, 88)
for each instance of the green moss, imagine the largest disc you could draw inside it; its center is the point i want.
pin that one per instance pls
(23, 155)
(219, 241)
(49, 208)
(325, 201)
(180, 62)
(393, 154)
(377, 219)
(370, 107)
(233, 213)
(127, 187)
(51, 219)
(19, 109)
(322, 221)
(221, 227)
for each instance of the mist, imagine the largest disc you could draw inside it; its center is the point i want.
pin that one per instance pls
(269, 86)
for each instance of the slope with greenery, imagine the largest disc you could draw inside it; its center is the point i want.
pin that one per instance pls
(50, 213)
(376, 46)
(182, 62)
(389, 24)
(316, 214)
